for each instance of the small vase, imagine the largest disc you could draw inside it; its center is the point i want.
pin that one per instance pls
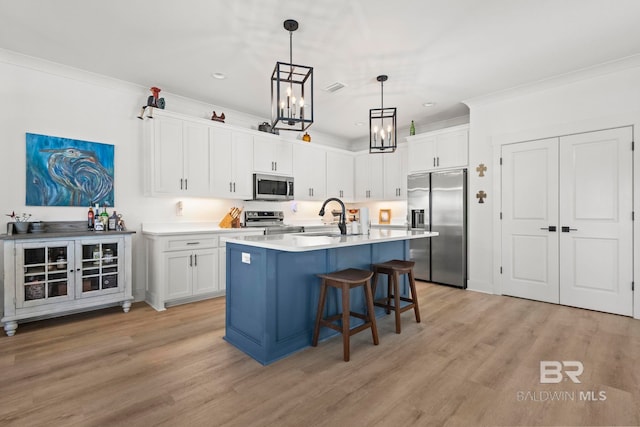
(21, 227)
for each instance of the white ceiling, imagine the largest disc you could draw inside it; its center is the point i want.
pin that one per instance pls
(443, 51)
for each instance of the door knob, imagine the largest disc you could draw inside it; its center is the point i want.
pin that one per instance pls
(551, 228)
(566, 229)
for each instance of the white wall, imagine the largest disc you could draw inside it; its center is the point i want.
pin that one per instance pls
(593, 99)
(41, 97)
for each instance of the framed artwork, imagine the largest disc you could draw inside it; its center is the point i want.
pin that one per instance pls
(68, 172)
(384, 216)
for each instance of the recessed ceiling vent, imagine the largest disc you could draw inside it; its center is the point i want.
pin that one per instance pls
(334, 87)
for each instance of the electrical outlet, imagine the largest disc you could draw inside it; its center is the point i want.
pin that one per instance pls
(179, 208)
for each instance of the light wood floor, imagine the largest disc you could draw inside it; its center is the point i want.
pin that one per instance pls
(465, 364)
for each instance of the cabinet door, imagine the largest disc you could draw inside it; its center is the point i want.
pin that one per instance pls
(178, 273)
(263, 157)
(101, 265)
(283, 157)
(205, 271)
(167, 155)
(242, 182)
(369, 177)
(196, 159)
(376, 176)
(421, 154)
(340, 175)
(395, 174)
(45, 273)
(221, 156)
(309, 171)
(362, 177)
(451, 149)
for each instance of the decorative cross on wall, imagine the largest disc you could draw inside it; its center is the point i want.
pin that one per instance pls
(481, 169)
(481, 195)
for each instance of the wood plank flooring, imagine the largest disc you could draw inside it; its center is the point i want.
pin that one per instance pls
(474, 360)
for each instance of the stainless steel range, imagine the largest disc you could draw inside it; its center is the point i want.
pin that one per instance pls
(271, 221)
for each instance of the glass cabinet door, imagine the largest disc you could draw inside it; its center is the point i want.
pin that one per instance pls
(47, 273)
(101, 266)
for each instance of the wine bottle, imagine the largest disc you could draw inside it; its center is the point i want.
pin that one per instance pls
(97, 223)
(90, 218)
(104, 217)
(113, 220)
(412, 129)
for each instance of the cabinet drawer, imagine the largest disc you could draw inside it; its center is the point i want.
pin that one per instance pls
(194, 243)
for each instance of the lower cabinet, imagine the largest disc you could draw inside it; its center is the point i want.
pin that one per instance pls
(47, 277)
(185, 268)
(191, 273)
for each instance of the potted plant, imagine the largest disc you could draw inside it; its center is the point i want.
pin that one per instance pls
(21, 222)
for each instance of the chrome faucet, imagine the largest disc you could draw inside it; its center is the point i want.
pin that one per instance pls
(342, 225)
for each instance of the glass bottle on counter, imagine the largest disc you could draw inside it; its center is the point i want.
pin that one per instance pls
(97, 226)
(104, 217)
(113, 221)
(90, 218)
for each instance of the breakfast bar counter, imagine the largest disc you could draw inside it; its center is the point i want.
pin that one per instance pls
(273, 288)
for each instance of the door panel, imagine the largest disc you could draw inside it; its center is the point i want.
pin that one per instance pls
(530, 206)
(595, 206)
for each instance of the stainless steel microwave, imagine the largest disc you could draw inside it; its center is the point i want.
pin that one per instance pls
(272, 187)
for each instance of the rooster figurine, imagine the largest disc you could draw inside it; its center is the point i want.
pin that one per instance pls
(217, 118)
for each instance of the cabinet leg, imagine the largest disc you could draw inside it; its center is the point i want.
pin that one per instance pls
(126, 305)
(10, 328)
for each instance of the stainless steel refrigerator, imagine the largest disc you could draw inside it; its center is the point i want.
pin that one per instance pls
(437, 201)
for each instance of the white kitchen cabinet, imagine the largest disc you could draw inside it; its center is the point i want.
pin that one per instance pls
(191, 273)
(310, 172)
(180, 157)
(340, 175)
(47, 277)
(272, 155)
(181, 268)
(443, 149)
(395, 174)
(231, 163)
(369, 173)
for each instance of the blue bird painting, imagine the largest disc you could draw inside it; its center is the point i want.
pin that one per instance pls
(67, 172)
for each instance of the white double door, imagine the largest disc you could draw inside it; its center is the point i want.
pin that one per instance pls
(567, 227)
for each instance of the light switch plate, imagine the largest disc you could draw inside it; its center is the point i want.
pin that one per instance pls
(246, 258)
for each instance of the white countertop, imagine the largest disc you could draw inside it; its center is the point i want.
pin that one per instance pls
(168, 228)
(312, 241)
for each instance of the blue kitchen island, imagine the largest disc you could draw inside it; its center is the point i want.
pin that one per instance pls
(272, 288)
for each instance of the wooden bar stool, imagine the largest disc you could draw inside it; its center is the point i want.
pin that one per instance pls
(346, 280)
(393, 269)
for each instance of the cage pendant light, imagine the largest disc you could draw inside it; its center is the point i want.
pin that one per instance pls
(382, 125)
(291, 91)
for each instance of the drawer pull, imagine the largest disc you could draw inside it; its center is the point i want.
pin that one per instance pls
(193, 243)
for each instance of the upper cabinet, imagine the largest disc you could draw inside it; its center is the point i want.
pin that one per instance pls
(339, 171)
(309, 171)
(443, 149)
(231, 163)
(180, 157)
(395, 174)
(272, 155)
(369, 173)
